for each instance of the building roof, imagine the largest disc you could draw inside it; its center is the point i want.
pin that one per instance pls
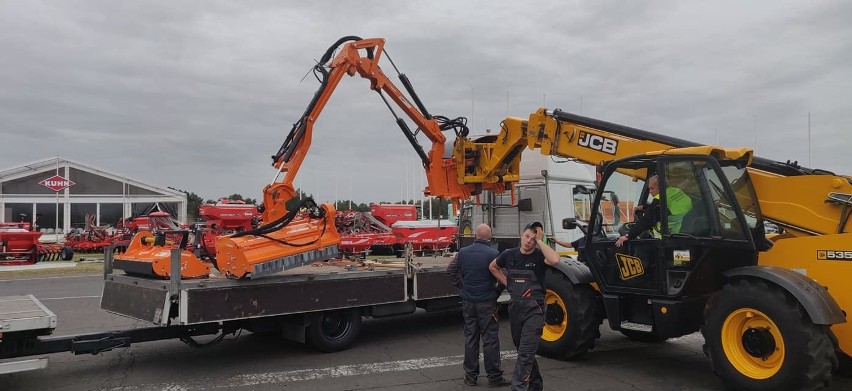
(49, 164)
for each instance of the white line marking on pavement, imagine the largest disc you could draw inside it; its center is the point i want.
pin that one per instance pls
(71, 297)
(49, 278)
(308, 374)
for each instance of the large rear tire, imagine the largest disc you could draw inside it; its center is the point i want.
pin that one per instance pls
(758, 337)
(333, 331)
(572, 320)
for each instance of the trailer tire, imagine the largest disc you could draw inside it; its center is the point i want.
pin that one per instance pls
(758, 337)
(67, 253)
(333, 331)
(572, 320)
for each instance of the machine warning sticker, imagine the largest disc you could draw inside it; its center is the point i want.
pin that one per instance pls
(629, 266)
(681, 257)
(834, 255)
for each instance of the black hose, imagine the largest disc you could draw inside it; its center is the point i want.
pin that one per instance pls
(298, 129)
(330, 52)
(283, 221)
(458, 125)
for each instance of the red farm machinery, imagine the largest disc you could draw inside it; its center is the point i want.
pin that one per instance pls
(388, 227)
(20, 245)
(225, 217)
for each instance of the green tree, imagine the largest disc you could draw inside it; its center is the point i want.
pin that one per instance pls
(294, 202)
(239, 197)
(352, 205)
(193, 201)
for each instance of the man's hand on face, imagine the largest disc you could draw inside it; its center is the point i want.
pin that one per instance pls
(539, 234)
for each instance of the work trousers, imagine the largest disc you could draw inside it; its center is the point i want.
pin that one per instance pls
(480, 322)
(526, 317)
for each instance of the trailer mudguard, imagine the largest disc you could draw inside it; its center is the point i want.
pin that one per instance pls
(820, 306)
(575, 270)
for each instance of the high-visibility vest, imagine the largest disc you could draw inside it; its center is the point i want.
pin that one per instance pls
(679, 204)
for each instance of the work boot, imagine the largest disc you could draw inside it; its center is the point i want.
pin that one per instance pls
(469, 381)
(501, 382)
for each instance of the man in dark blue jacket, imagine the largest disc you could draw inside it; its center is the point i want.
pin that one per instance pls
(469, 272)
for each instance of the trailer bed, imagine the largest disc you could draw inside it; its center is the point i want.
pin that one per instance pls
(299, 304)
(23, 318)
(24, 314)
(299, 290)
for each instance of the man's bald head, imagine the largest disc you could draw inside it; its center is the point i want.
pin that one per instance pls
(483, 231)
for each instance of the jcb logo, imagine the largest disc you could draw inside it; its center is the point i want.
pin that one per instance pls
(834, 255)
(598, 143)
(629, 266)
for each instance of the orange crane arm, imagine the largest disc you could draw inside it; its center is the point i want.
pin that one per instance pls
(361, 57)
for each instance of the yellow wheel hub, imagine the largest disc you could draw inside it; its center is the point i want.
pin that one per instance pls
(752, 343)
(555, 318)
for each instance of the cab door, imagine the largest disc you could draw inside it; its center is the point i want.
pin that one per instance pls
(700, 231)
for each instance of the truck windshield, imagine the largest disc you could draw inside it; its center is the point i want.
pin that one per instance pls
(583, 205)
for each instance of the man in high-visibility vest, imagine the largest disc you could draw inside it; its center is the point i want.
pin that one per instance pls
(678, 204)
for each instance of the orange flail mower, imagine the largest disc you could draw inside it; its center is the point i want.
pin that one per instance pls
(302, 236)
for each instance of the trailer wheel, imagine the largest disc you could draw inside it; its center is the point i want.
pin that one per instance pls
(573, 318)
(67, 253)
(759, 338)
(333, 331)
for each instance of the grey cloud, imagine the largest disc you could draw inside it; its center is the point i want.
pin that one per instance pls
(198, 95)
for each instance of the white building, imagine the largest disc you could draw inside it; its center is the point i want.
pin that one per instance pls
(25, 194)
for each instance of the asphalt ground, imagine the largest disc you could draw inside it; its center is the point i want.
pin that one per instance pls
(422, 351)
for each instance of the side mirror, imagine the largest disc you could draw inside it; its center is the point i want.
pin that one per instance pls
(573, 223)
(580, 189)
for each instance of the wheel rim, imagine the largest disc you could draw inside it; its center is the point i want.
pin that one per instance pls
(753, 343)
(335, 325)
(556, 317)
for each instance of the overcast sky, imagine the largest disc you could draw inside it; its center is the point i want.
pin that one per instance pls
(197, 95)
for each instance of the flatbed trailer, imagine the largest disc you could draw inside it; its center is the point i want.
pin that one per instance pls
(319, 305)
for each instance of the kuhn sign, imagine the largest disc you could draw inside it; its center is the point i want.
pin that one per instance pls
(56, 183)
